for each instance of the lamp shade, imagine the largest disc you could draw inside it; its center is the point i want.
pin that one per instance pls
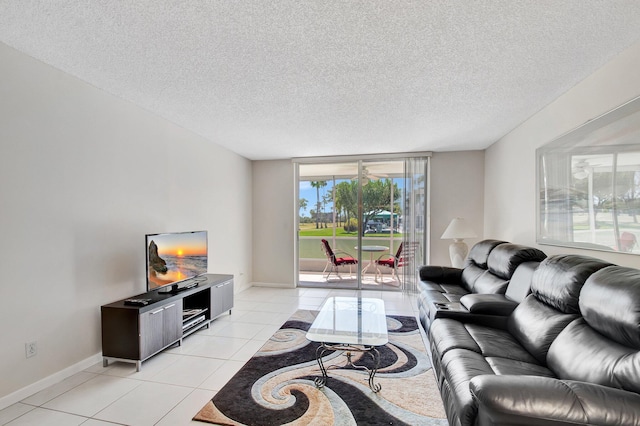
(458, 229)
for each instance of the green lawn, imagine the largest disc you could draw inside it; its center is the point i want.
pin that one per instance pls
(325, 232)
(309, 230)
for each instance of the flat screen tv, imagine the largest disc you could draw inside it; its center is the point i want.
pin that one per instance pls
(174, 258)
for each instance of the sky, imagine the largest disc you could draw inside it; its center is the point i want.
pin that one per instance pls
(181, 244)
(309, 193)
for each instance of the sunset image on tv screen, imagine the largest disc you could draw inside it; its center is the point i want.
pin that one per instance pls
(175, 257)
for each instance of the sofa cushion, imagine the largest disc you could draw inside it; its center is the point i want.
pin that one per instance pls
(610, 303)
(511, 366)
(602, 346)
(489, 304)
(487, 283)
(553, 302)
(449, 404)
(520, 283)
(459, 366)
(429, 297)
(440, 274)
(535, 325)
(527, 400)
(503, 304)
(494, 342)
(447, 334)
(470, 275)
(505, 258)
(502, 263)
(454, 289)
(479, 253)
(476, 262)
(558, 280)
(581, 353)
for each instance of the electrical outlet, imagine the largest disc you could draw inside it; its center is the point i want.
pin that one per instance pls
(30, 349)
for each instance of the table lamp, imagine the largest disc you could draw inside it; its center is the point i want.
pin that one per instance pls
(458, 230)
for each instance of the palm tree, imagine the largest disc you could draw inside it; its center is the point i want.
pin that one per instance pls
(302, 204)
(326, 199)
(317, 185)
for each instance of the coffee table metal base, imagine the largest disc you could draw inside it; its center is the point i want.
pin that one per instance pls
(348, 349)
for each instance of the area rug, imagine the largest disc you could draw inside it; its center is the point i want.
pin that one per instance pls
(276, 386)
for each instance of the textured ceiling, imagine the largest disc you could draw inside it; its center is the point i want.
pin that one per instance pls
(296, 78)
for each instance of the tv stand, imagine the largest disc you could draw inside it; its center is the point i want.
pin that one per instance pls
(135, 333)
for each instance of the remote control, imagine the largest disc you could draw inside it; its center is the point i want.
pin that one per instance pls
(137, 302)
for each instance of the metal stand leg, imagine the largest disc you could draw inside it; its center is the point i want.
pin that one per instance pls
(376, 363)
(321, 381)
(372, 372)
(371, 350)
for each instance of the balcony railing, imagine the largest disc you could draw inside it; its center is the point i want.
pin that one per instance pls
(313, 260)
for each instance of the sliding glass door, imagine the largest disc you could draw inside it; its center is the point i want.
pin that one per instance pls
(361, 222)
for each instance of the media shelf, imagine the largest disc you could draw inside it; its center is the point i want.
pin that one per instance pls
(133, 333)
(193, 320)
(187, 314)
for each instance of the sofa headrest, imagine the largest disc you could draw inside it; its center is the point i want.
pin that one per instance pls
(505, 258)
(479, 253)
(559, 279)
(610, 304)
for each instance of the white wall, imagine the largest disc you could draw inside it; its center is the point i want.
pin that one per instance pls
(456, 190)
(273, 223)
(83, 176)
(510, 195)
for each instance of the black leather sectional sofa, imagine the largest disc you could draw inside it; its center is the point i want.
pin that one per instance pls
(567, 352)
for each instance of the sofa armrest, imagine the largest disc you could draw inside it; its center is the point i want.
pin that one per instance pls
(534, 400)
(440, 274)
(488, 304)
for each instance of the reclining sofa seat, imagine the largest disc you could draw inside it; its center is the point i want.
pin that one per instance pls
(458, 280)
(596, 360)
(491, 310)
(462, 351)
(488, 270)
(518, 289)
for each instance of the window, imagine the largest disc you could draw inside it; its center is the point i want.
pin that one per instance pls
(589, 184)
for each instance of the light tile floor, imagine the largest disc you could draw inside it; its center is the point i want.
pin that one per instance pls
(175, 384)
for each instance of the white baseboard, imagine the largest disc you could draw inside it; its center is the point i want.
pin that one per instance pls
(274, 285)
(27, 391)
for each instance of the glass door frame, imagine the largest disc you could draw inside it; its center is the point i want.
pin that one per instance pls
(360, 162)
(366, 176)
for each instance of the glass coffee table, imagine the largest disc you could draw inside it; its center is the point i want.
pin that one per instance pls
(350, 324)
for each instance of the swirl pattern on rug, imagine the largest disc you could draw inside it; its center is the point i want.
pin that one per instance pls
(276, 386)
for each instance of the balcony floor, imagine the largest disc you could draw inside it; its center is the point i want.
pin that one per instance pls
(316, 280)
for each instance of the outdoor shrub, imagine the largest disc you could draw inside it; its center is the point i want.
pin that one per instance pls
(351, 225)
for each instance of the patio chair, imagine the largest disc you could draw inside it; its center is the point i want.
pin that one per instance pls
(627, 242)
(336, 259)
(404, 256)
